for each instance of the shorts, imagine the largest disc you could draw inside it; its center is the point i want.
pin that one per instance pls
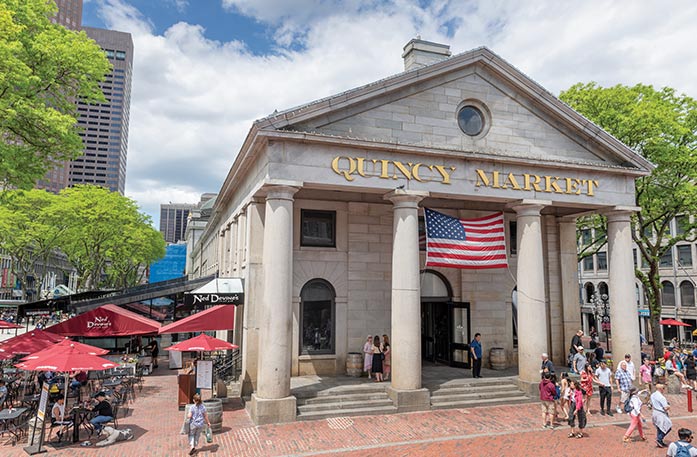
(547, 407)
(624, 395)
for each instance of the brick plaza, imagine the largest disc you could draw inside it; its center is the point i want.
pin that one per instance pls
(483, 431)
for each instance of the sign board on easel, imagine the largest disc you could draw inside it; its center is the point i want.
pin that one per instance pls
(204, 374)
(35, 448)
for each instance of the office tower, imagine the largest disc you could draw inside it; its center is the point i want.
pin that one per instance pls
(173, 218)
(105, 125)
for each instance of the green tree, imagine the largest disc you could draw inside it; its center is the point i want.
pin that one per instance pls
(44, 68)
(30, 234)
(661, 125)
(106, 237)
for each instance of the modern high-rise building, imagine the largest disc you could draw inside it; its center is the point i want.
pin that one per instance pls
(173, 219)
(105, 125)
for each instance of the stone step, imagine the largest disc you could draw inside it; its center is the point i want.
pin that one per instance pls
(326, 414)
(485, 382)
(341, 390)
(482, 395)
(448, 390)
(482, 402)
(342, 398)
(345, 405)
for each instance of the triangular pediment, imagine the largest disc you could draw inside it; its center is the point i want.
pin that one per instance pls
(419, 108)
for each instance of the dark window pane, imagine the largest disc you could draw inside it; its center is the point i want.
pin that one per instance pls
(588, 264)
(685, 256)
(668, 293)
(470, 120)
(666, 259)
(513, 240)
(317, 314)
(680, 223)
(687, 293)
(602, 260)
(586, 237)
(422, 234)
(318, 228)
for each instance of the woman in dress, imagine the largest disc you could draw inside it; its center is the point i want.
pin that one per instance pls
(565, 391)
(587, 385)
(368, 355)
(377, 359)
(197, 418)
(387, 362)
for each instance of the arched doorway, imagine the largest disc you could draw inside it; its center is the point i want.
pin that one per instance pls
(445, 325)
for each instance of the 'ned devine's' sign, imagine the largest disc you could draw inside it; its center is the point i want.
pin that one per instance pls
(214, 299)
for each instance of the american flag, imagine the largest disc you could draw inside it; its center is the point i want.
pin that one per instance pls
(465, 243)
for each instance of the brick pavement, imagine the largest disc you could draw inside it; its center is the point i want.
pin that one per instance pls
(499, 430)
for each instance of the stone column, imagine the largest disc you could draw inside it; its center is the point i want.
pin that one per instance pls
(406, 391)
(568, 254)
(253, 296)
(272, 402)
(530, 279)
(623, 311)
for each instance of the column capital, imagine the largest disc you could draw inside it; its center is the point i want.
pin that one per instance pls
(621, 213)
(529, 207)
(402, 198)
(279, 192)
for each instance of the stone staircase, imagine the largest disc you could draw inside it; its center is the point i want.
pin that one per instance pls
(467, 393)
(347, 400)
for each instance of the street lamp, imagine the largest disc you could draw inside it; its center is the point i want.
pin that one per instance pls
(600, 303)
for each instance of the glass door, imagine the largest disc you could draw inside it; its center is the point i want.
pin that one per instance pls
(459, 334)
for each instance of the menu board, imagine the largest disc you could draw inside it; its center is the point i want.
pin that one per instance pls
(204, 374)
(42, 403)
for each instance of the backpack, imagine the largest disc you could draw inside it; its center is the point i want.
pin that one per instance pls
(682, 451)
(628, 405)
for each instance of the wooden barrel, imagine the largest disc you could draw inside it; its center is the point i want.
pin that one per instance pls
(497, 358)
(214, 408)
(354, 364)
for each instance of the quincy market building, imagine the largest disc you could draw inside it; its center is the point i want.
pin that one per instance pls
(322, 211)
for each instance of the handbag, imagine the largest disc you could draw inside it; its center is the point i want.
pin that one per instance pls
(186, 427)
(209, 435)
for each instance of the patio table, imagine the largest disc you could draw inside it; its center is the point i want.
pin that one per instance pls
(8, 420)
(81, 418)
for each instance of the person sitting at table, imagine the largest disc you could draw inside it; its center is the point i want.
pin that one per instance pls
(3, 392)
(79, 379)
(58, 417)
(104, 412)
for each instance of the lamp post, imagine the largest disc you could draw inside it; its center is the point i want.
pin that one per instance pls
(600, 303)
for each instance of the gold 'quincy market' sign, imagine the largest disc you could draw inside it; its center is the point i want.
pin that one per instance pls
(351, 167)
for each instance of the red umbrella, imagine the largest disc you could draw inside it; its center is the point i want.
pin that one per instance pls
(201, 343)
(219, 317)
(28, 343)
(5, 324)
(68, 359)
(673, 322)
(60, 347)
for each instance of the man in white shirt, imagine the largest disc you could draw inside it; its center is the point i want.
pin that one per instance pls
(630, 366)
(603, 377)
(685, 436)
(659, 415)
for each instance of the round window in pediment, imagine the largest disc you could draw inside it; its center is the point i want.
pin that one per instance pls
(471, 120)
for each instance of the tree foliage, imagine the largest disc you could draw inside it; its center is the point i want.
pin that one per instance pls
(44, 68)
(102, 234)
(661, 125)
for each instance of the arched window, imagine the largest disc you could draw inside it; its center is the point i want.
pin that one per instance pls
(590, 290)
(687, 293)
(667, 293)
(602, 289)
(317, 317)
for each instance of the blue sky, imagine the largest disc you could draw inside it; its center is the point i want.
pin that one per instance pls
(204, 70)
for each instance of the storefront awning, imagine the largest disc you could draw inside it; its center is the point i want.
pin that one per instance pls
(107, 320)
(220, 317)
(220, 291)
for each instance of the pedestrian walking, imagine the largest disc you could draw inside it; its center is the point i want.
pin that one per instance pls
(387, 360)
(587, 386)
(635, 416)
(576, 411)
(197, 418)
(579, 361)
(659, 415)
(547, 366)
(623, 380)
(646, 376)
(565, 391)
(476, 351)
(368, 355)
(630, 366)
(154, 351)
(575, 343)
(682, 447)
(547, 392)
(377, 359)
(690, 371)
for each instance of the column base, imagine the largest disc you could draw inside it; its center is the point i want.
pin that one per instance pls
(272, 411)
(531, 389)
(410, 400)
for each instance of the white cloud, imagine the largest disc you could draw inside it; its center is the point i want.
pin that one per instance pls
(194, 99)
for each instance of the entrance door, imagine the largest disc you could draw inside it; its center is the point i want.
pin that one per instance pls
(459, 334)
(435, 337)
